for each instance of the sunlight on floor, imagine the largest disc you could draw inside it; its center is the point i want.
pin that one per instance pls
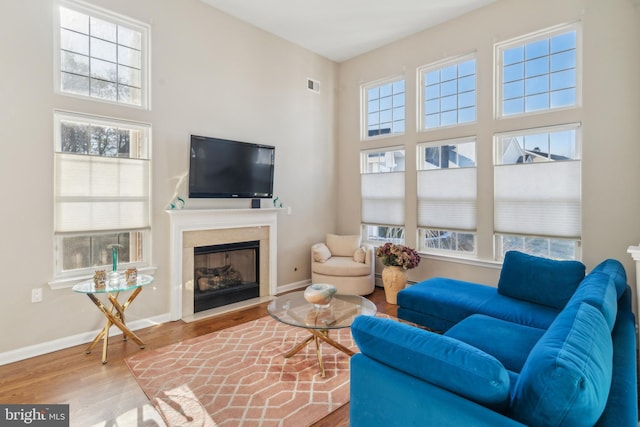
(145, 416)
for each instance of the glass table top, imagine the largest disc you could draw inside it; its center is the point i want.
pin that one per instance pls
(112, 285)
(294, 310)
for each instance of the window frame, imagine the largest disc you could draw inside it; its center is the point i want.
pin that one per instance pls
(439, 65)
(364, 108)
(498, 162)
(524, 40)
(114, 18)
(60, 274)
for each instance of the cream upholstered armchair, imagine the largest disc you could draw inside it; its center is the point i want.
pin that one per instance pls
(343, 262)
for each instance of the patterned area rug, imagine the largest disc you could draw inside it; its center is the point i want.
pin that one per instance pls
(239, 377)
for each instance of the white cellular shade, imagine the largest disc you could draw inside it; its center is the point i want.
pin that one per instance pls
(447, 198)
(540, 199)
(383, 198)
(100, 193)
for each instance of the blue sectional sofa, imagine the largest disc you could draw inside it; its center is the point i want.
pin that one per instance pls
(548, 347)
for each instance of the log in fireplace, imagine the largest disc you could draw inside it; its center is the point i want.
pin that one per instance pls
(225, 274)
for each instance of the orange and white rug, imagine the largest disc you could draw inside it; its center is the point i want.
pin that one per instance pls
(239, 377)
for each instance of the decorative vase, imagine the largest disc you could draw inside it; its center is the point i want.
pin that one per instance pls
(394, 279)
(319, 294)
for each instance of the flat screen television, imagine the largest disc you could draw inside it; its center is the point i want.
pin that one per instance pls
(222, 168)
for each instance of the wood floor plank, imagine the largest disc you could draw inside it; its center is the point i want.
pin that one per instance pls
(108, 395)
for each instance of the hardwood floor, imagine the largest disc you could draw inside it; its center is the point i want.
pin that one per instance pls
(108, 395)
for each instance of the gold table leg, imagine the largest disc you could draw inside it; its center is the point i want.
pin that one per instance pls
(317, 336)
(113, 318)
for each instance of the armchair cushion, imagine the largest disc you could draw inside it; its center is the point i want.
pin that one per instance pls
(343, 245)
(539, 280)
(341, 266)
(321, 252)
(437, 359)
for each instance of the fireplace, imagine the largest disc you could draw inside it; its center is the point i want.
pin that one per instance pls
(225, 274)
(191, 228)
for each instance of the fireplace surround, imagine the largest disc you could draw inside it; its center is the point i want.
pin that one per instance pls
(191, 228)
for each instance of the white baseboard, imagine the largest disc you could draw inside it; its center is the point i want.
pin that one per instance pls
(294, 286)
(86, 337)
(70, 341)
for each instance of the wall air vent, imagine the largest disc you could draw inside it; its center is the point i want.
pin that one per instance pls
(313, 85)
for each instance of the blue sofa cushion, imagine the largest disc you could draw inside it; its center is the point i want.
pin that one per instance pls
(508, 342)
(439, 360)
(539, 280)
(614, 269)
(566, 378)
(598, 289)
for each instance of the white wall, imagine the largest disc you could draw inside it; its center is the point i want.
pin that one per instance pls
(610, 117)
(211, 75)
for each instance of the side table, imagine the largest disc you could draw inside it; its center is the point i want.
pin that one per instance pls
(114, 314)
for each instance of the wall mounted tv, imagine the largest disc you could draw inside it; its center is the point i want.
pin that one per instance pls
(221, 168)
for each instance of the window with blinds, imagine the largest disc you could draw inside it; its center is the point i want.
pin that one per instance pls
(101, 191)
(447, 193)
(382, 193)
(537, 191)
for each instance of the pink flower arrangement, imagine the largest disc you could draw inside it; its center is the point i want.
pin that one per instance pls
(398, 255)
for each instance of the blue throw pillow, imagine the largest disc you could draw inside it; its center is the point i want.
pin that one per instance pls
(539, 280)
(437, 359)
(566, 379)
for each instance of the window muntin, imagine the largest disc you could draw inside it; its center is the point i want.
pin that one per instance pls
(382, 193)
(101, 55)
(537, 188)
(539, 73)
(447, 194)
(384, 108)
(102, 189)
(448, 93)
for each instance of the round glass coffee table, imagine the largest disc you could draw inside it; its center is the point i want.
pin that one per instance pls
(294, 310)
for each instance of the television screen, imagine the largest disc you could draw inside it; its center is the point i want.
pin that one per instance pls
(221, 168)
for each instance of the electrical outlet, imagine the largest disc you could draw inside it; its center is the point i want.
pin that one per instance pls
(36, 295)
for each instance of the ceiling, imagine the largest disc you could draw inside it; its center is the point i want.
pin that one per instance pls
(342, 29)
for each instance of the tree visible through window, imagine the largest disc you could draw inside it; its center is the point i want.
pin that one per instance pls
(102, 56)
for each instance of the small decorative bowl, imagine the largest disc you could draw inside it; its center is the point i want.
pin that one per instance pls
(319, 294)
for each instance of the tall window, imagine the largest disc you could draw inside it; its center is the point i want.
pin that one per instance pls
(384, 110)
(539, 72)
(447, 196)
(102, 187)
(448, 93)
(382, 193)
(537, 192)
(101, 55)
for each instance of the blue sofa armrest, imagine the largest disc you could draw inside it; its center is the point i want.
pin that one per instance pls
(382, 396)
(437, 359)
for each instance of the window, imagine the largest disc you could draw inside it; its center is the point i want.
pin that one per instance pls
(384, 108)
(382, 192)
(101, 55)
(537, 191)
(447, 195)
(102, 187)
(539, 72)
(448, 93)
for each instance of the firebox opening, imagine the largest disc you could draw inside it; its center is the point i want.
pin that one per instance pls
(225, 274)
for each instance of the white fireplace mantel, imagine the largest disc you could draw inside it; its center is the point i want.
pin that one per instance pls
(188, 220)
